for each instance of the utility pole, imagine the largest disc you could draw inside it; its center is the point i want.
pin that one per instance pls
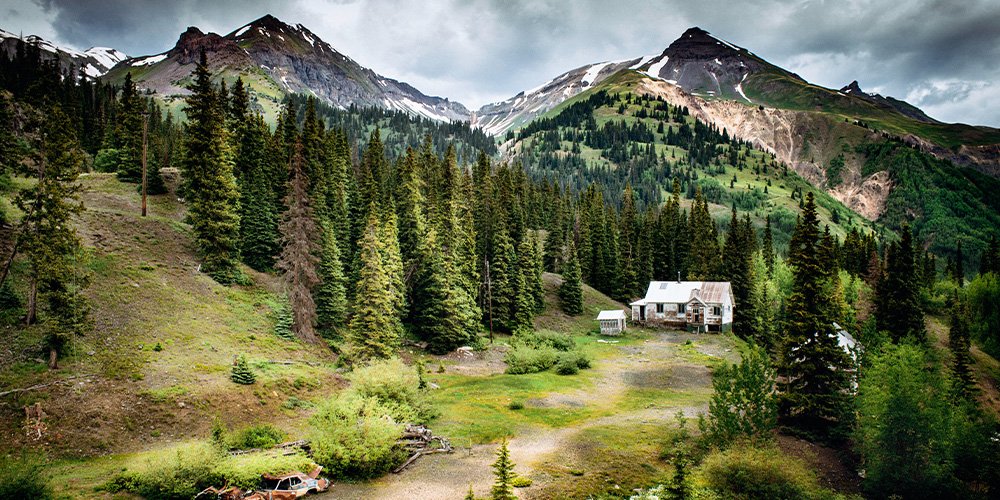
(145, 125)
(489, 296)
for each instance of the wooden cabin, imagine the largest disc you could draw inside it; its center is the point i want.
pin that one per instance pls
(612, 322)
(701, 306)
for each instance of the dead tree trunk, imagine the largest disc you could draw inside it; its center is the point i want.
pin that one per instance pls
(32, 314)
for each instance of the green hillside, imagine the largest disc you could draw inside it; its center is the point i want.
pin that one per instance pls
(613, 136)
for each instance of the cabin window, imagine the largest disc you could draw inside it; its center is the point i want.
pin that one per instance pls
(659, 308)
(717, 311)
(680, 308)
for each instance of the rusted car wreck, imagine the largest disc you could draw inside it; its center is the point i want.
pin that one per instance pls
(280, 487)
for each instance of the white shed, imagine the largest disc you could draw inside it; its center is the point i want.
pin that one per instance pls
(612, 322)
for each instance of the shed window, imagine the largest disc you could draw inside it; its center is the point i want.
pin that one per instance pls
(659, 308)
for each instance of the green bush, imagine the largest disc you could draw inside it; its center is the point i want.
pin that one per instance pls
(174, 474)
(557, 341)
(520, 482)
(256, 436)
(396, 386)
(355, 436)
(522, 359)
(23, 477)
(566, 365)
(244, 471)
(515, 405)
(107, 160)
(744, 473)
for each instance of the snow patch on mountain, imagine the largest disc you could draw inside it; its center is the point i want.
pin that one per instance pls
(149, 60)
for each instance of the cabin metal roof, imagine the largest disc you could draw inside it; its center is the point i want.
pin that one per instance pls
(682, 292)
(615, 314)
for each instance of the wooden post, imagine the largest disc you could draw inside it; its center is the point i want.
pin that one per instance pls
(145, 125)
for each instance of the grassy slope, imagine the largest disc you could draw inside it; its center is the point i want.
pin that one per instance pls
(145, 292)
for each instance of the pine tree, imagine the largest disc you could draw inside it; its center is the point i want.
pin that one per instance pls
(703, 258)
(128, 133)
(503, 278)
(299, 252)
(571, 290)
(990, 261)
(51, 245)
(471, 495)
(629, 247)
(259, 238)
(208, 183)
(534, 275)
(241, 372)
(375, 327)
(737, 259)
(811, 359)
(154, 181)
(959, 265)
(526, 275)
(897, 300)
(963, 383)
(331, 295)
(767, 247)
(503, 471)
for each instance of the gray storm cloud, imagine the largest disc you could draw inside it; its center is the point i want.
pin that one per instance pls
(943, 55)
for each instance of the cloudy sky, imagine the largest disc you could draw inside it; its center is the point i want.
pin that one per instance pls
(943, 56)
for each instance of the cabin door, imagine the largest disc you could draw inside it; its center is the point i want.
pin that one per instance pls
(697, 314)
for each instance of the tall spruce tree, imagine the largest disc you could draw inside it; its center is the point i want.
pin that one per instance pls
(767, 247)
(812, 362)
(259, 238)
(525, 275)
(897, 300)
(51, 245)
(375, 327)
(963, 383)
(703, 258)
(208, 182)
(331, 295)
(737, 258)
(571, 290)
(128, 132)
(299, 234)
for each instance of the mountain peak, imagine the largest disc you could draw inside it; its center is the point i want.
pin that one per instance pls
(853, 88)
(698, 43)
(270, 22)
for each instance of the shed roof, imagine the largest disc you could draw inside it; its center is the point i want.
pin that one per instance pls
(678, 292)
(615, 314)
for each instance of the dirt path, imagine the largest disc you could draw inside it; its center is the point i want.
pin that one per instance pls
(653, 363)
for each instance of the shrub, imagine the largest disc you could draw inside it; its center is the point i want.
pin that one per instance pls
(566, 366)
(241, 372)
(355, 436)
(396, 387)
(758, 473)
(744, 404)
(175, 474)
(557, 341)
(522, 359)
(244, 471)
(520, 482)
(23, 477)
(516, 405)
(256, 436)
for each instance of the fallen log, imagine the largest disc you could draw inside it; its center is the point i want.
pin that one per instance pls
(421, 441)
(42, 386)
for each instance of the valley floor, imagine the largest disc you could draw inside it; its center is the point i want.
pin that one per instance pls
(581, 437)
